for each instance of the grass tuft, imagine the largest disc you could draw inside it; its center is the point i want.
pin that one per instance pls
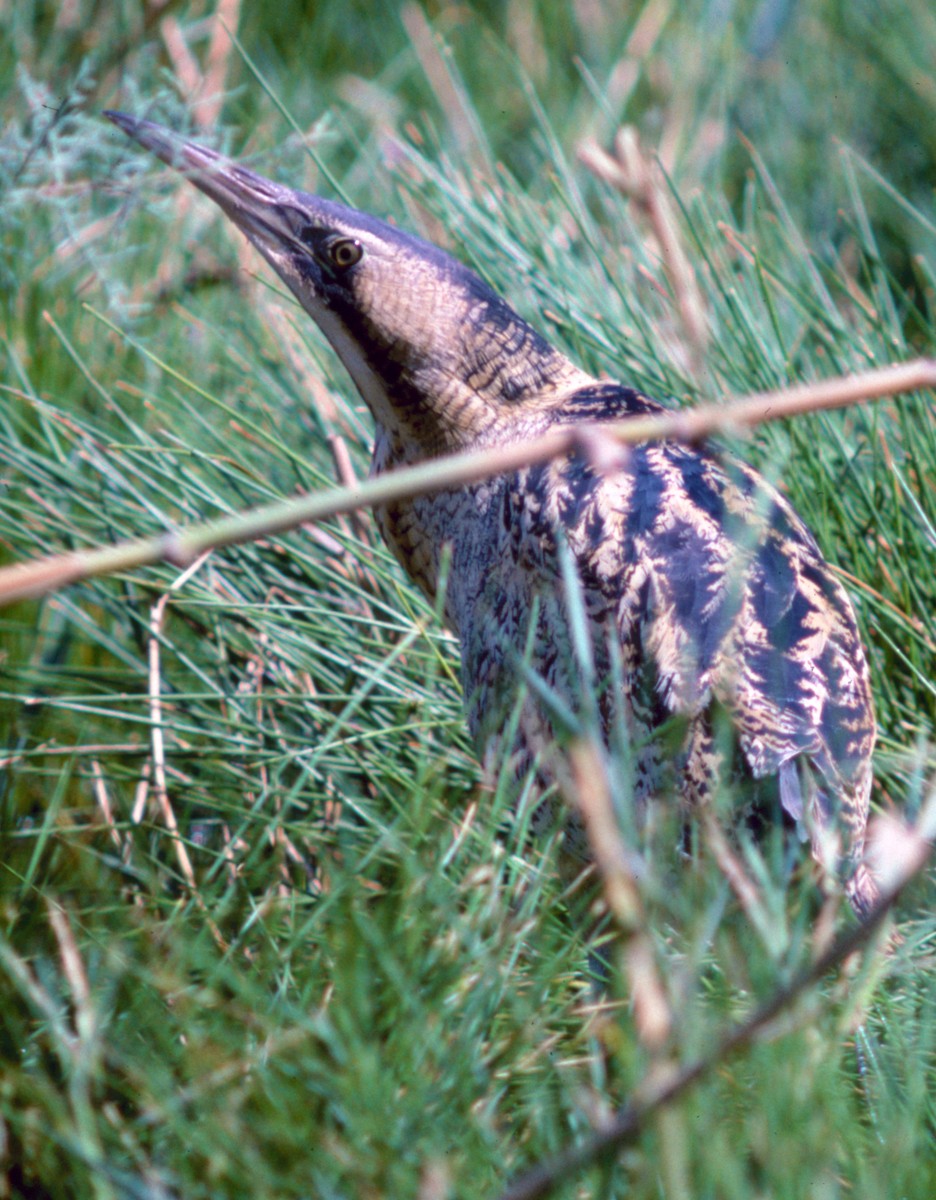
(262, 926)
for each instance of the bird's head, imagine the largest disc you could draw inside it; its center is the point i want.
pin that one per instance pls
(441, 360)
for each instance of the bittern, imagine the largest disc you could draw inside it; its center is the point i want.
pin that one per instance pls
(702, 590)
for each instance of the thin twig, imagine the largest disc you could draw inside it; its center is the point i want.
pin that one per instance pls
(743, 887)
(184, 63)
(207, 109)
(157, 614)
(637, 176)
(99, 787)
(157, 741)
(631, 1120)
(73, 966)
(619, 870)
(122, 748)
(141, 794)
(39, 576)
(344, 469)
(446, 86)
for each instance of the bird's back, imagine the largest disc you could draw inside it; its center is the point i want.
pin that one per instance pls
(699, 579)
(699, 584)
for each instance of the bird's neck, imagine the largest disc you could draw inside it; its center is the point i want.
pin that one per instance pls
(468, 370)
(476, 401)
(485, 386)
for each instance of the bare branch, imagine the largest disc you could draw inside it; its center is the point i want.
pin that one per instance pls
(39, 576)
(631, 1120)
(160, 786)
(634, 174)
(619, 868)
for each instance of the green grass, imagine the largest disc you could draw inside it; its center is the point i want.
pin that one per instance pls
(374, 987)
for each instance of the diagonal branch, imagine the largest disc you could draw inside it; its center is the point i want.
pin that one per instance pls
(39, 576)
(631, 1120)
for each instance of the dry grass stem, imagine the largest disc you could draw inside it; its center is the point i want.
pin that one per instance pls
(618, 868)
(636, 176)
(73, 967)
(205, 88)
(71, 751)
(445, 85)
(157, 740)
(207, 108)
(39, 576)
(99, 787)
(141, 794)
(632, 1119)
(157, 615)
(344, 470)
(184, 64)
(732, 868)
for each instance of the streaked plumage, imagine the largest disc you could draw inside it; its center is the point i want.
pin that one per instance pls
(700, 583)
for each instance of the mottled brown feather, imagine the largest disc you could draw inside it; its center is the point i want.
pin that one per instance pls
(711, 587)
(697, 579)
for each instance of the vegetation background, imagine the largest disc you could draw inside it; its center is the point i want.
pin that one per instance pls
(263, 931)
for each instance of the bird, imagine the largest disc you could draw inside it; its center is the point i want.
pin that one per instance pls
(706, 599)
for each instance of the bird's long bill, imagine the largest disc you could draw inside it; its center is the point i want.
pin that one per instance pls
(437, 355)
(250, 201)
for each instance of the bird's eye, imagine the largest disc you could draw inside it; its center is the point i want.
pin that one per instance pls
(345, 253)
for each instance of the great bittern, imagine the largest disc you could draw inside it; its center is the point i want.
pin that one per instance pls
(702, 588)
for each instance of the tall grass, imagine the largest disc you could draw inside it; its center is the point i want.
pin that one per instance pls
(361, 977)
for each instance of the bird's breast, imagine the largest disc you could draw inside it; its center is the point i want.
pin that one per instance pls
(422, 530)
